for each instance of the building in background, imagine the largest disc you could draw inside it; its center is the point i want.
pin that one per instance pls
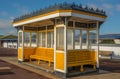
(9, 41)
(110, 39)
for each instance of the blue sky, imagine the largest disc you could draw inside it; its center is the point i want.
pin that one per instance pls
(10, 9)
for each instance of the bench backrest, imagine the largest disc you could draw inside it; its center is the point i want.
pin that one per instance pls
(40, 51)
(44, 52)
(50, 53)
(106, 53)
(28, 52)
(80, 55)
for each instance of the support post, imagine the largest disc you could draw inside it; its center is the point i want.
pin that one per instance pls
(80, 38)
(97, 38)
(18, 39)
(46, 37)
(55, 45)
(87, 39)
(37, 38)
(65, 44)
(30, 39)
(73, 35)
(23, 44)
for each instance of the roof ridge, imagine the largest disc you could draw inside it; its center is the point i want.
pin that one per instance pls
(64, 5)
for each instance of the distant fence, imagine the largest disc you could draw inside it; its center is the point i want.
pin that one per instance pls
(110, 47)
(8, 52)
(115, 48)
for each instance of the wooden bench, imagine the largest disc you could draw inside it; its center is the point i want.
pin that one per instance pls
(80, 58)
(45, 54)
(106, 53)
(27, 52)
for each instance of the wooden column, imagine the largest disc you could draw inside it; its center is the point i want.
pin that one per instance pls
(46, 37)
(23, 44)
(80, 38)
(73, 42)
(97, 38)
(30, 39)
(87, 39)
(65, 44)
(55, 45)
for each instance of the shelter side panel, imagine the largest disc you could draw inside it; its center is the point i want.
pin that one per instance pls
(60, 60)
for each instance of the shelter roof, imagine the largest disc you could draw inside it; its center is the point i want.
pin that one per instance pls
(61, 6)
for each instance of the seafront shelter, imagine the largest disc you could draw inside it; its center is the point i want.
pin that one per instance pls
(49, 35)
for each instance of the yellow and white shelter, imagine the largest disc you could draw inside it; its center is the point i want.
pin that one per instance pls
(50, 35)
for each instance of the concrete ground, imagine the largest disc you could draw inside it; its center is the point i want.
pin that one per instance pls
(110, 70)
(10, 71)
(21, 71)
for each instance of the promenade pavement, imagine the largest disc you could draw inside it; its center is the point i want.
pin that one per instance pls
(107, 72)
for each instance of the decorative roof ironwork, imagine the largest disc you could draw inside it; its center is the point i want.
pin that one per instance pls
(61, 6)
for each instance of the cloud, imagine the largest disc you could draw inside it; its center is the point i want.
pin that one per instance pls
(12, 32)
(118, 7)
(5, 24)
(107, 6)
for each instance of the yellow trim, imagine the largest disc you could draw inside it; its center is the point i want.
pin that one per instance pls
(58, 11)
(19, 53)
(60, 60)
(45, 31)
(30, 31)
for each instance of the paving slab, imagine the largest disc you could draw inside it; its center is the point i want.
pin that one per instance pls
(108, 70)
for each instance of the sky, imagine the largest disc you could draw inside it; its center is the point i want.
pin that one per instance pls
(10, 9)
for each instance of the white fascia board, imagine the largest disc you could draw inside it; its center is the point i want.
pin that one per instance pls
(88, 17)
(60, 14)
(65, 14)
(37, 19)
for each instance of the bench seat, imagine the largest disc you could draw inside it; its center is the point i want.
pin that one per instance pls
(81, 58)
(44, 54)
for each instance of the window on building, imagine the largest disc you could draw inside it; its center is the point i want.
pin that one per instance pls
(50, 39)
(77, 39)
(20, 39)
(27, 39)
(60, 38)
(70, 38)
(43, 39)
(40, 39)
(33, 40)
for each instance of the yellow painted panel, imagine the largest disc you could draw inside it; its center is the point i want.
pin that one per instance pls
(28, 52)
(60, 61)
(94, 55)
(81, 55)
(19, 53)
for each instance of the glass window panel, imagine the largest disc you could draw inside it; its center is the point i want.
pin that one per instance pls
(33, 40)
(40, 39)
(20, 39)
(84, 36)
(43, 39)
(60, 38)
(50, 40)
(77, 39)
(70, 38)
(27, 39)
